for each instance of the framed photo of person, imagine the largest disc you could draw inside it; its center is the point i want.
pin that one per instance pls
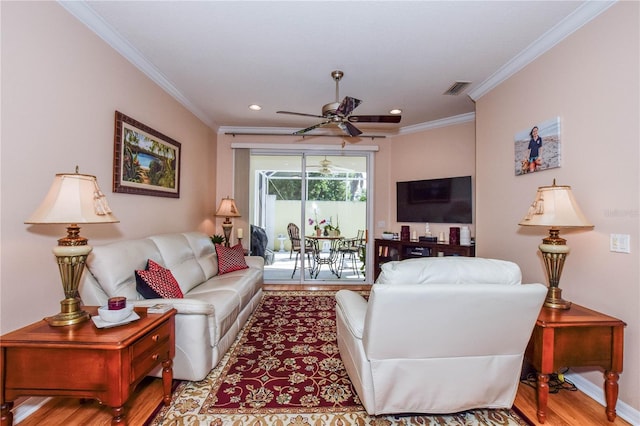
(537, 147)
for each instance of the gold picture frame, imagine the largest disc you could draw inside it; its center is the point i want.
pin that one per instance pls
(145, 162)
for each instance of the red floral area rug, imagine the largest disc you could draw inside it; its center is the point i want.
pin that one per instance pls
(284, 369)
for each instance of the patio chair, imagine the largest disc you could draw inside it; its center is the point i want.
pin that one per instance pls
(294, 235)
(350, 249)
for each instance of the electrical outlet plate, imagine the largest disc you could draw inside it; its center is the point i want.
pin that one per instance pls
(620, 243)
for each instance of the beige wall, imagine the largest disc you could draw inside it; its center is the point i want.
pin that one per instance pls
(590, 80)
(430, 154)
(61, 85)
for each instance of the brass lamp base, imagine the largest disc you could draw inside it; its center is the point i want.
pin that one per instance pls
(226, 228)
(554, 299)
(554, 252)
(70, 314)
(71, 254)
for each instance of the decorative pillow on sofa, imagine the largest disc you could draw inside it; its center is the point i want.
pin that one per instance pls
(230, 258)
(153, 266)
(157, 282)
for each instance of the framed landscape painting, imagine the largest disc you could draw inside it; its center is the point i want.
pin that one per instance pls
(145, 161)
(537, 147)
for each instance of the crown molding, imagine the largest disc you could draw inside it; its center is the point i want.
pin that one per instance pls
(581, 16)
(85, 14)
(444, 122)
(576, 20)
(288, 131)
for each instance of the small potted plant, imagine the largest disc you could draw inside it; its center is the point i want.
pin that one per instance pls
(317, 225)
(217, 239)
(328, 230)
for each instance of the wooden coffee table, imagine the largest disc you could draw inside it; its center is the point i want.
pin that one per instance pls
(576, 337)
(83, 361)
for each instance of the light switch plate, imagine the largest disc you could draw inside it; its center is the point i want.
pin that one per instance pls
(620, 243)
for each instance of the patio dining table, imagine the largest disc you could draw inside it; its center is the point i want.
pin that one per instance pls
(321, 257)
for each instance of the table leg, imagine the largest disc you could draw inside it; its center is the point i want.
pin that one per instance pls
(543, 396)
(6, 416)
(611, 393)
(167, 378)
(118, 416)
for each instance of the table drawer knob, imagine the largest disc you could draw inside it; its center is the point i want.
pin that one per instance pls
(155, 337)
(155, 357)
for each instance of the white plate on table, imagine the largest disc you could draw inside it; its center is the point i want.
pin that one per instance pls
(100, 323)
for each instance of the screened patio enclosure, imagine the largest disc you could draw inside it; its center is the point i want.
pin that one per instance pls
(320, 199)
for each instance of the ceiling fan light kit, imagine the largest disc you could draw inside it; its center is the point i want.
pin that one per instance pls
(339, 113)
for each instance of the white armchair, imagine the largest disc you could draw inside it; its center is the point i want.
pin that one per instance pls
(438, 335)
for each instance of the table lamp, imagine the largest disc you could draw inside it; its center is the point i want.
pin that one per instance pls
(227, 209)
(72, 199)
(555, 207)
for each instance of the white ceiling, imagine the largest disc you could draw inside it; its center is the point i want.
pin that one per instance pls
(218, 57)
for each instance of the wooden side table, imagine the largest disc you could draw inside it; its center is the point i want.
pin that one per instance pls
(83, 361)
(576, 337)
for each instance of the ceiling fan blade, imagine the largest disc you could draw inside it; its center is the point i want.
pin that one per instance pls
(299, 113)
(349, 128)
(308, 129)
(375, 118)
(347, 105)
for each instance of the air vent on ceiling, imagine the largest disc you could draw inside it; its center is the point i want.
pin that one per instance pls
(457, 88)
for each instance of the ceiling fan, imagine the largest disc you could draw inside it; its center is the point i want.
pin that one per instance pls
(326, 167)
(339, 113)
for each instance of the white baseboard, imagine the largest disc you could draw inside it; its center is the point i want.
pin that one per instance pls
(624, 411)
(28, 407)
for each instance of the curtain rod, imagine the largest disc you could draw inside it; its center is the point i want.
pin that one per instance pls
(372, 137)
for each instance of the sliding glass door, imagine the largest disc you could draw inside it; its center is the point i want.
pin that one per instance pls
(313, 209)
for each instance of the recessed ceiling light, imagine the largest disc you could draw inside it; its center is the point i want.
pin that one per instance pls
(395, 111)
(255, 107)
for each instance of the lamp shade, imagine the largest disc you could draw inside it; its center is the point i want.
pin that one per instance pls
(73, 198)
(555, 207)
(228, 208)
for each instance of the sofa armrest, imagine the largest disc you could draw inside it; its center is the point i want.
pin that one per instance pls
(354, 310)
(183, 306)
(254, 261)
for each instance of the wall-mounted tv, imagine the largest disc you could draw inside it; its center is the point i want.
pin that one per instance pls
(446, 200)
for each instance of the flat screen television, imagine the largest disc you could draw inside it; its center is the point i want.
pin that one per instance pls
(446, 200)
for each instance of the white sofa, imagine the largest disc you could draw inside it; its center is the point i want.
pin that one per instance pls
(438, 335)
(214, 307)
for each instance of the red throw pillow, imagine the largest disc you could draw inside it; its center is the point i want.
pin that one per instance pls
(230, 258)
(157, 282)
(153, 266)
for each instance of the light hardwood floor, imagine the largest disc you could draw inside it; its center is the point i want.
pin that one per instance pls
(565, 408)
